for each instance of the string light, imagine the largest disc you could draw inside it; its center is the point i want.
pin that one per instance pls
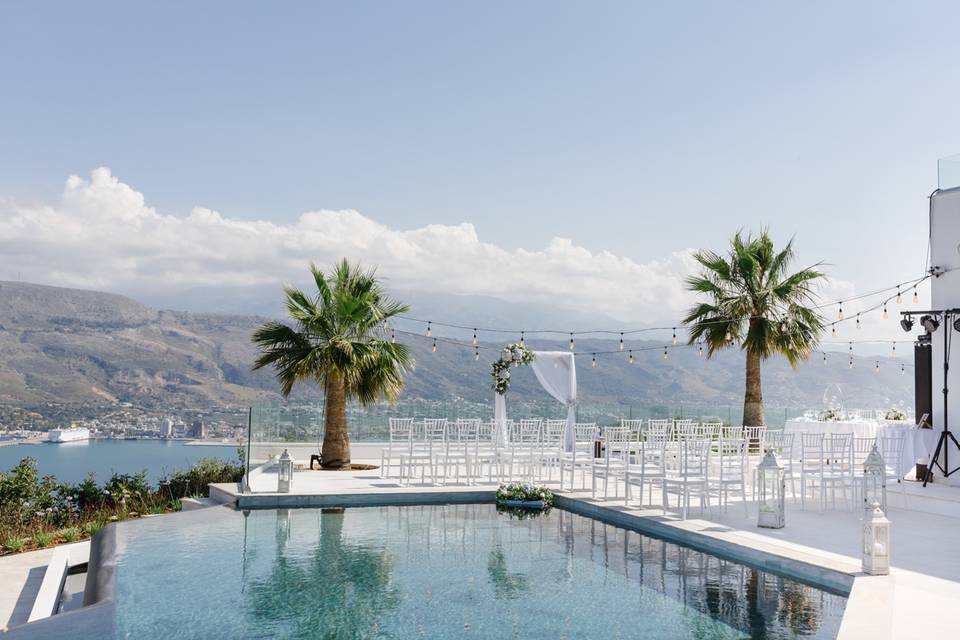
(899, 300)
(851, 347)
(434, 349)
(876, 368)
(833, 330)
(593, 363)
(885, 316)
(894, 347)
(902, 369)
(521, 338)
(840, 311)
(476, 353)
(474, 337)
(621, 341)
(393, 336)
(664, 353)
(916, 298)
(674, 335)
(428, 328)
(630, 359)
(858, 321)
(699, 348)
(851, 362)
(824, 358)
(571, 342)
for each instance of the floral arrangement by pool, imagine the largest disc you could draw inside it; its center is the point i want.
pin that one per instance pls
(896, 414)
(513, 355)
(524, 494)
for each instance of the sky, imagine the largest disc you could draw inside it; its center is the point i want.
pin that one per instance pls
(569, 153)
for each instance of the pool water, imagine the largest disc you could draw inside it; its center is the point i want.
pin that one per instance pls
(451, 571)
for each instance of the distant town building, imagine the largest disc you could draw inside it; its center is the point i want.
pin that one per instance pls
(199, 429)
(166, 428)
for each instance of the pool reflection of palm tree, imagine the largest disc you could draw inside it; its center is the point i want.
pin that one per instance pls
(341, 591)
(506, 585)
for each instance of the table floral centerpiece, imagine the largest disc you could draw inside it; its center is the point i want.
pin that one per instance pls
(830, 415)
(895, 414)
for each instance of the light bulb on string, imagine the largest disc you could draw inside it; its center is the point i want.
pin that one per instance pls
(476, 353)
(474, 337)
(903, 369)
(428, 328)
(885, 316)
(840, 311)
(521, 338)
(876, 368)
(851, 348)
(894, 347)
(664, 353)
(593, 363)
(833, 330)
(571, 342)
(621, 341)
(851, 362)
(899, 300)
(699, 348)
(674, 335)
(858, 321)
(824, 358)
(393, 336)
(630, 359)
(916, 298)
(434, 349)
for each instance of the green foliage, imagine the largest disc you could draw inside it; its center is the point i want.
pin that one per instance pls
(43, 539)
(339, 333)
(753, 302)
(524, 491)
(196, 480)
(37, 512)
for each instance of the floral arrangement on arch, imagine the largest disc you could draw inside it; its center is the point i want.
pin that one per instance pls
(512, 355)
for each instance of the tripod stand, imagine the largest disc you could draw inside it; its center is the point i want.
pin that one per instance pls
(946, 436)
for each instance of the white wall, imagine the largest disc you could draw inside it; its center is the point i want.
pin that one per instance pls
(945, 253)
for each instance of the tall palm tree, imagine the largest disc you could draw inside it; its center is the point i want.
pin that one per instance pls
(755, 304)
(338, 342)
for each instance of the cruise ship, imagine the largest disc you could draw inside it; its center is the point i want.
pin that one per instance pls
(72, 434)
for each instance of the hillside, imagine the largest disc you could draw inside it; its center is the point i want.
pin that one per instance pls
(66, 346)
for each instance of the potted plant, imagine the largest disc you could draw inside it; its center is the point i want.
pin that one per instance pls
(524, 495)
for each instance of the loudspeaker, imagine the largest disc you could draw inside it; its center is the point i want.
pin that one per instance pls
(923, 379)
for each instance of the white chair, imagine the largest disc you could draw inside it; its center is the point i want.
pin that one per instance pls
(692, 475)
(811, 463)
(523, 450)
(859, 450)
(781, 443)
(754, 437)
(401, 440)
(426, 451)
(648, 464)
(551, 445)
(891, 448)
(683, 429)
(613, 464)
(838, 470)
(581, 458)
(657, 428)
(711, 429)
(730, 471)
(461, 446)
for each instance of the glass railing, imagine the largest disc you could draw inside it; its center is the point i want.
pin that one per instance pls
(948, 172)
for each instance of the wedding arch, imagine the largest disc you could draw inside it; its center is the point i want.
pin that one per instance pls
(555, 370)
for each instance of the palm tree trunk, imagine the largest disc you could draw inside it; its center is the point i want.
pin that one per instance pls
(753, 395)
(336, 440)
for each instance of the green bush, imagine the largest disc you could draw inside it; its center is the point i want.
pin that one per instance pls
(43, 539)
(70, 534)
(196, 480)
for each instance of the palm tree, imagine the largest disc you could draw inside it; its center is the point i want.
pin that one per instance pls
(338, 342)
(755, 304)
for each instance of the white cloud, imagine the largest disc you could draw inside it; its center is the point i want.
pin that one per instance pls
(103, 235)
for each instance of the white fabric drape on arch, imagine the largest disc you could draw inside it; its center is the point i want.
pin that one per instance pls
(557, 373)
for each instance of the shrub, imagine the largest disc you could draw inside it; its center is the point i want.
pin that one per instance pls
(196, 480)
(43, 539)
(70, 534)
(14, 544)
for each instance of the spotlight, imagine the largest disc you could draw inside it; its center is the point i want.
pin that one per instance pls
(907, 324)
(929, 323)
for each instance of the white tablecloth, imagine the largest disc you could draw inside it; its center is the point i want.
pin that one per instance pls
(859, 428)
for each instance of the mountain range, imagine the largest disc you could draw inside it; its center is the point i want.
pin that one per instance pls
(69, 347)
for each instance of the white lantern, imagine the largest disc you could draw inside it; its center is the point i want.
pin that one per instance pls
(874, 480)
(285, 473)
(770, 489)
(876, 541)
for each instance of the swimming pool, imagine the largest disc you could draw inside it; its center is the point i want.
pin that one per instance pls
(443, 571)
